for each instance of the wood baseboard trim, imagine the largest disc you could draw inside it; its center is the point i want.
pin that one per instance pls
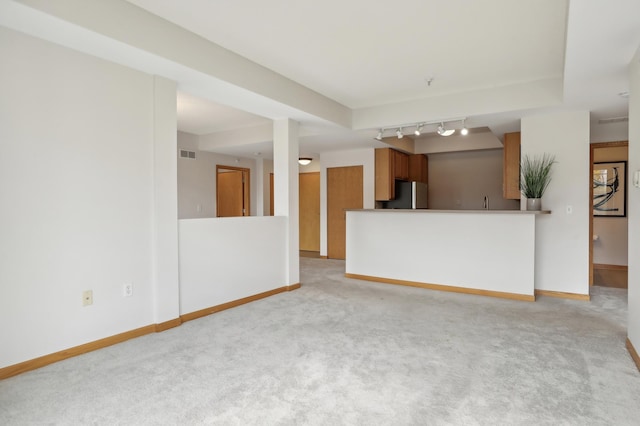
(224, 306)
(35, 363)
(451, 289)
(610, 267)
(167, 325)
(563, 295)
(324, 257)
(13, 370)
(633, 353)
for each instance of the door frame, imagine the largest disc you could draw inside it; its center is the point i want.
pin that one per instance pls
(246, 188)
(592, 148)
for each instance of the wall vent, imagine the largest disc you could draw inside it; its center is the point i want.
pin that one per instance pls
(187, 154)
(613, 120)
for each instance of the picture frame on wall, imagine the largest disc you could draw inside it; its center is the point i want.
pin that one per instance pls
(609, 189)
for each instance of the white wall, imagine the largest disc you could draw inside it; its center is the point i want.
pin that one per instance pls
(214, 254)
(197, 179)
(634, 204)
(77, 183)
(460, 180)
(611, 246)
(609, 132)
(562, 239)
(356, 157)
(165, 202)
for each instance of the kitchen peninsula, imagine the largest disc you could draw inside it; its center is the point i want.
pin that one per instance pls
(487, 252)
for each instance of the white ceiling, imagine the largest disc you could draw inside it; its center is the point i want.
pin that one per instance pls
(366, 63)
(199, 116)
(362, 53)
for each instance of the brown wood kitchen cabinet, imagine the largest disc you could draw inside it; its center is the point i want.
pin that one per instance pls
(392, 165)
(418, 168)
(401, 165)
(511, 166)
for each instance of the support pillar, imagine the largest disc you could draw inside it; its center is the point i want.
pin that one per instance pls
(285, 188)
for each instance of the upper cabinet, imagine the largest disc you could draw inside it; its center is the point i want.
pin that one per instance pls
(418, 168)
(392, 165)
(385, 174)
(401, 168)
(511, 166)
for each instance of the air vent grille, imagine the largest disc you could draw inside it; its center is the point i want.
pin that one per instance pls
(187, 154)
(613, 120)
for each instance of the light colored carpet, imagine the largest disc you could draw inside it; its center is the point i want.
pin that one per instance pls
(340, 351)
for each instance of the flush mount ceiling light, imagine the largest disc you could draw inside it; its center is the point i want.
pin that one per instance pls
(304, 161)
(444, 132)
(399, 133)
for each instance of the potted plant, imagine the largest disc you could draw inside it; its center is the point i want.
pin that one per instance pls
(535, 175)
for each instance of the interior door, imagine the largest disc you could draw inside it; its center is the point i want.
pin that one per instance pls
(232, 191)
(310, 211)
(344, 191)
(271, 194)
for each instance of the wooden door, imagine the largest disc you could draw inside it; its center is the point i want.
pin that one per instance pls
(271, 194)
(344, 191)
(232, 191)
(310, 211)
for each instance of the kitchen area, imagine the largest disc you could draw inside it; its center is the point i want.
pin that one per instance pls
(447, 221)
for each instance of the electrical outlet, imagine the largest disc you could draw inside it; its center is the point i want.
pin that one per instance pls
(87, 297)
(127, 290)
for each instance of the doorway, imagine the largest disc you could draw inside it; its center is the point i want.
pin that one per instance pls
(344, 191)
(232, 191)
(608, 258)
(309, 212)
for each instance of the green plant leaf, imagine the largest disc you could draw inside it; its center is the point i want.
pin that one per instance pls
(535, 175)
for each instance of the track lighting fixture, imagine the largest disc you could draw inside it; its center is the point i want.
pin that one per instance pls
(444, 132)
(441, 129)
(464, 131)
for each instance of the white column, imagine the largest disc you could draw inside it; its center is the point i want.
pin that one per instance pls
(562, 238)
(165, 202)
(285, 188)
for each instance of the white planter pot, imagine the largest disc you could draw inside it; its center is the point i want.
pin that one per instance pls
(534, 204)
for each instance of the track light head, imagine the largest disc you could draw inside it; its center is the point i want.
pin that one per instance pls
(444, 132)
(379, 136)
(399, 133)
(418, 129)
(464, 131)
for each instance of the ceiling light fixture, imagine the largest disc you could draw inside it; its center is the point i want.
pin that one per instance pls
(464, 131)
(379, 136)
(399, 133)
(304, 161)
(418, 129)
(444, 132)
